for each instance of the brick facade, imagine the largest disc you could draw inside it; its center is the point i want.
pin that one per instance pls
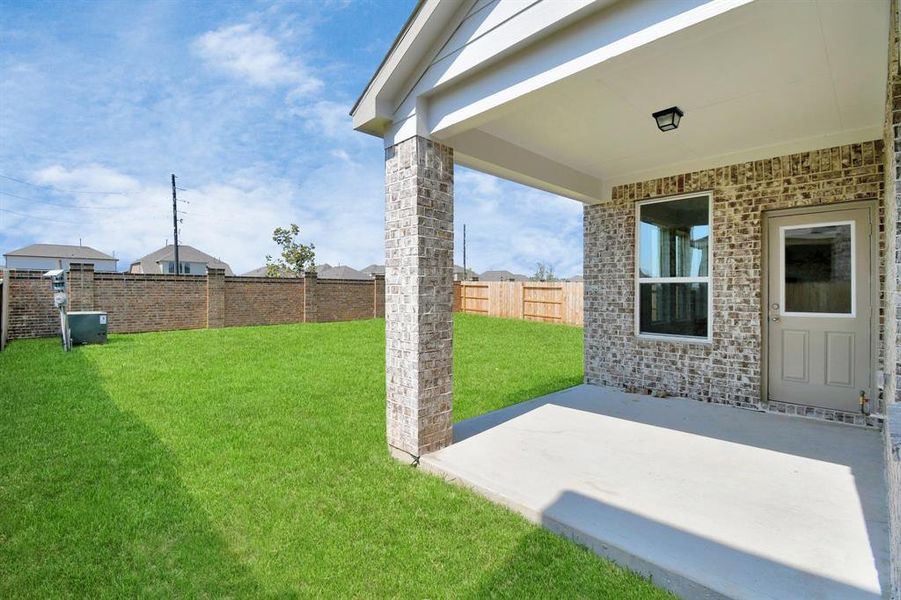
(158, 302)
(419, 246)
(729, 369)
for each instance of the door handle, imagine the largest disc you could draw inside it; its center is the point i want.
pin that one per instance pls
(774, 319)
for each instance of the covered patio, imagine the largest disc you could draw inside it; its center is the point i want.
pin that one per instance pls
(745, 260)
(708, 501)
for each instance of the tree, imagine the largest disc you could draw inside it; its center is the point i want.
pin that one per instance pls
(544, 272)
(296, 258)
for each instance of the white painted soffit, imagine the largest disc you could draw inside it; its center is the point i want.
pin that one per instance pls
(761, 79)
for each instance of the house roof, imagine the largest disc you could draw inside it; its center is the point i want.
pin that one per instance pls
(185, 254)
(60, 251)
(341, 272)
(502, 276)
(264, 272)
(373, 268)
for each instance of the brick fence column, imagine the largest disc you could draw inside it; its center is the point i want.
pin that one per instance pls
(4, 308)
(419, 246)
(215, 298)
(81, 286)
(378, 295)
(310, 304)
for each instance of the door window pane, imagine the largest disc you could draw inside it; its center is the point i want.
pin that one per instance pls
(673, 309)
(674, 238)
(818, 262)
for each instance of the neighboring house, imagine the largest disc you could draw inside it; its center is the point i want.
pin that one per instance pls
(461, 274)
(374, 270)
(502, 276)
(264, 272)
(193, 261)
(341, 272)
(43, 257)
(458, 271)
(738, 169)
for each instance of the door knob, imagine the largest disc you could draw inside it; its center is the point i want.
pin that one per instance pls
(774, 319)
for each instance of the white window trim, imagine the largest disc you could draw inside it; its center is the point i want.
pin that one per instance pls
(685, 339)
(782, 310)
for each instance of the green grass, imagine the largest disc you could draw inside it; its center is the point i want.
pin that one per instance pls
(252, 462)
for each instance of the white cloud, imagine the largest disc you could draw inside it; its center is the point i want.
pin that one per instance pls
(338, 207)
(249, 54)
(90, 178)
(329, 119)
(510, 226)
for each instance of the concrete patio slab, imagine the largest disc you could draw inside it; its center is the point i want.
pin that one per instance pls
(707, 500)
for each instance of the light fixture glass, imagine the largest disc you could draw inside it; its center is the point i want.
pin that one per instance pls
(668, 118)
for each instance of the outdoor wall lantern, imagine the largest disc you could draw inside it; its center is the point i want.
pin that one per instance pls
(668, 118)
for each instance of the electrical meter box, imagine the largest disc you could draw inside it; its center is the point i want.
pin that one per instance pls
(88, 327)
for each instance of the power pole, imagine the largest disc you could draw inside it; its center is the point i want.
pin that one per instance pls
(465, 272)
(175, 224)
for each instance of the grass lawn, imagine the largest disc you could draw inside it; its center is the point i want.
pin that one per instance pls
(252, 462)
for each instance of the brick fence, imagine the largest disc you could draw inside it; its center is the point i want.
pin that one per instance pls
(151, 302)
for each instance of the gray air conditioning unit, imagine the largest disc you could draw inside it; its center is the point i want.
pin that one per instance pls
(88, 327)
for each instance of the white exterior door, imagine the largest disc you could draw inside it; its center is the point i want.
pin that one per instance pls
(819, 308)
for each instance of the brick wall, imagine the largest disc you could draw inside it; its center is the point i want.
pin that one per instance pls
(141, 302)
(31, 312)
(728, 370)
(158, 302)
(263, 301)
(343, 300)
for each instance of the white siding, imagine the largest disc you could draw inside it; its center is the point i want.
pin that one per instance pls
(46, 264)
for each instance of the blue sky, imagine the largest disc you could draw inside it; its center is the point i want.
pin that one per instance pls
(247, 103)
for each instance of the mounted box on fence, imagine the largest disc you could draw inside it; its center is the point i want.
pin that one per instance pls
(88, 327)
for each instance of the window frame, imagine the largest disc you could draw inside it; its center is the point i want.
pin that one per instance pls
(782, 311)
(638, 280)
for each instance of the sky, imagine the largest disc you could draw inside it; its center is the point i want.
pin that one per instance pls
(247, 103)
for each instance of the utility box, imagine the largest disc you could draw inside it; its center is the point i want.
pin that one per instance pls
(88, 327)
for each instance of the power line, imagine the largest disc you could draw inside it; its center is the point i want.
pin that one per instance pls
(50, 187)
(78, 206)
(12, 212)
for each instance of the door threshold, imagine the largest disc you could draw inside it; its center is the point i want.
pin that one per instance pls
(831, 415)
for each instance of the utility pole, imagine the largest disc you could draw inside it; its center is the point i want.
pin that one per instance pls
(175, 224)
(465, 272)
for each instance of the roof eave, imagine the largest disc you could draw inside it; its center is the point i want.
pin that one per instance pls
(373, 112)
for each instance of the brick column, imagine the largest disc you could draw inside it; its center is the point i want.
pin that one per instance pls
(378, 295)
(892, 306)
(215, 298)
(81, 286)
(419, 246)
(310, 281)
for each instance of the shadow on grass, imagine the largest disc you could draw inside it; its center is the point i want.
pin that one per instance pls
(544, 556)
(93, 502)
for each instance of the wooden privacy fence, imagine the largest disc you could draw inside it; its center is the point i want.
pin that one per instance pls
(557, 302)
